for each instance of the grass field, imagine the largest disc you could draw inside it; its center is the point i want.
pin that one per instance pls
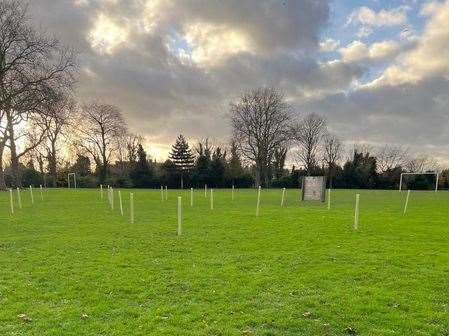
(71, 266)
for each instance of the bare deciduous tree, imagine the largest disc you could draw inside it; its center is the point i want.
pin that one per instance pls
(280, 155)
(98, 128)
(3, 139)
(390, 156)
(421, 164)
(362, 148)
(332, 153)
(38, 154)
(308, 134)
(260, 122)
(32, 65)
(52, 123)
(132, 144)
(127, 145)
(204, 147)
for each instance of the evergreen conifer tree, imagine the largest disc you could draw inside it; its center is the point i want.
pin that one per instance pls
(235, 168)
(142, 174)
(218, 166)
(203, 163)
(182, 157)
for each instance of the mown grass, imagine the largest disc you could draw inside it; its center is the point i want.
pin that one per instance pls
(71, 266)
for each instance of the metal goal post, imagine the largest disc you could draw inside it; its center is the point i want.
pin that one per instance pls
(415, 173)
(74, 180)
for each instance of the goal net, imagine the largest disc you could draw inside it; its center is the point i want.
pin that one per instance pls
(71, 180)
(419, 181)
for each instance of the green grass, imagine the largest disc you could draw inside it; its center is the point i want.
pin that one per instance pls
(74, 267)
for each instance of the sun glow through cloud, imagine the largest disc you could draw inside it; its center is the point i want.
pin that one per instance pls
(212, 43)
(106, 35)
(167, 62)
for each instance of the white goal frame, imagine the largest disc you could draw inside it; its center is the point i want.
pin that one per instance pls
(68, 179)
(420, 173)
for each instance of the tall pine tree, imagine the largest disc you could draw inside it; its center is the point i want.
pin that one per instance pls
(202, 164)
(142, 174)
(235, 168)
(182, 157)
(218, 166)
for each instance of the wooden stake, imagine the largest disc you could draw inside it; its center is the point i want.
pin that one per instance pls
(112, 198)
(283, 197)
(11, 201)
(41, 191)
(162, 193)
(19, 198)
(101, 191)
(205, 191)
(166, 193)
(179, 215)
(406, 202)
(212, 199)
(31, 195)
(120, 201)
(356, 214)
(329, 199)
(131, 207)
(258, 202)
(232, 195)
(191, 197)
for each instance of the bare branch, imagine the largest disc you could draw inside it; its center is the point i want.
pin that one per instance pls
(260, 122)
(308, 135)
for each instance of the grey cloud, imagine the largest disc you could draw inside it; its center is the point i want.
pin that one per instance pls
(162, 95)
(158, 93)
(295, 75)
(272, 25)
(414, 115)
(64, 19)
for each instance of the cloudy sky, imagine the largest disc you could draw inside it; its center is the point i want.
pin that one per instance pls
(378, 70)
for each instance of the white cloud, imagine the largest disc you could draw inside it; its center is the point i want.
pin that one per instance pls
(106, 35)
(368, 17)
(211, 44)
(430, 8)
(173, 66)
(430, 55)
(364, 31)
(329, 45)
(382, 51)
(355, 51)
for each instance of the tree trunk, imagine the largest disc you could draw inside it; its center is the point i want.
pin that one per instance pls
(52, 166)
(258, 175)
(104, 164)
(105, 171)
(40, 161)
(2, 173)
(15, 168)
(52, 171)
(263, 175)
(104, 167)
(267, 172)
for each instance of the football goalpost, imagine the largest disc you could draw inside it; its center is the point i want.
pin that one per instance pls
(73, 175)
(426, 173)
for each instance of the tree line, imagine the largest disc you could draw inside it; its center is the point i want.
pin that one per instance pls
(45, 133)
(267, 128)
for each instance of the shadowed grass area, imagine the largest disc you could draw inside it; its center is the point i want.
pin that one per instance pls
(71, 266)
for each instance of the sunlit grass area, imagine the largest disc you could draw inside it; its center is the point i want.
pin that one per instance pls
(69, 265)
